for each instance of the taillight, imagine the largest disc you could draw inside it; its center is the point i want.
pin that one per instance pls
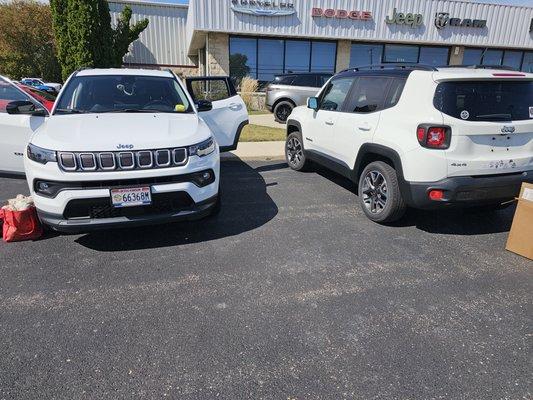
(434, 137)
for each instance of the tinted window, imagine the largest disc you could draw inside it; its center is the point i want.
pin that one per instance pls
(368, 95)
(365, 54)
(283, 80)
(485, 100)
(322, 79)
(119, 93)
(399, 53)
(395, 92)
(270, 59)
(512, 59)
(212, 89)
(527, 64)
(492, 57)
(472, 57)
(243, 58)
(323, 56)
(297, 56)
(433, 55)
(9, 93)
(335, 94)
(305, 80)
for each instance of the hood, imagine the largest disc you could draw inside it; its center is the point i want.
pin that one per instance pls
(108, 132)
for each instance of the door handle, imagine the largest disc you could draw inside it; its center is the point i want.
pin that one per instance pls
(330, 123)
(364, 127)
(234, 106)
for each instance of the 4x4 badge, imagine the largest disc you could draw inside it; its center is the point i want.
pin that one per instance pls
(508, 129)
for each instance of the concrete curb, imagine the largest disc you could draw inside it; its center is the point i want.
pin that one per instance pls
(266, 151)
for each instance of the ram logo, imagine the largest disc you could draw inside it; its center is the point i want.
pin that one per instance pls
(508, 129)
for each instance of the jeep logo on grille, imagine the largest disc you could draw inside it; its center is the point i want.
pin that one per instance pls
(125, 147)
(508, 129)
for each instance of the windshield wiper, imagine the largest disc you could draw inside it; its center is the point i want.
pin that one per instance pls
(496, 117)
(131, 110)
(68, 111)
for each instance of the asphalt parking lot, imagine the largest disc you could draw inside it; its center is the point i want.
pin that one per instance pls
(289, 293)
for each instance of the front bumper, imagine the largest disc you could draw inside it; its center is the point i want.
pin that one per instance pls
(191, 213)
(467, 191)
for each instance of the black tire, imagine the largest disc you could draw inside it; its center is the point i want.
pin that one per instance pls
(282, 110)
(379, 193)
(295, 153)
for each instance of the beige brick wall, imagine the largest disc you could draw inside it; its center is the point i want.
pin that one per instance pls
(343, 54)
(184, 72)
(217, 54)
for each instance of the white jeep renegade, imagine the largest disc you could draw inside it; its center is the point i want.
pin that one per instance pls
(123, 147)
(419, 136)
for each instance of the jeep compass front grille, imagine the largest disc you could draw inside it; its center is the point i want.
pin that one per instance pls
(122, 160)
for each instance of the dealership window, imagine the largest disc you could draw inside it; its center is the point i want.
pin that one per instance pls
(262, 59)
(323, 56)
(297, 56)
(243, 57)
(493, 57)
(516, 59)
(270, 59)
(527, 64)
(434, 55)
(365, 54)
(512, 59)
(399, 53)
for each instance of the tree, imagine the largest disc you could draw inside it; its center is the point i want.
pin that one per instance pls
(85, 37)
(237, 67)
(27, 45)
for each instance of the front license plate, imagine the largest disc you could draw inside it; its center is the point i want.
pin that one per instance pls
(131, 197)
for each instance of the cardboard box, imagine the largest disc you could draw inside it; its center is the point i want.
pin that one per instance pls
(520, 239)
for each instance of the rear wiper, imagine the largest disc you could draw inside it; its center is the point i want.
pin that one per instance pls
(69, 111)
(497, 117)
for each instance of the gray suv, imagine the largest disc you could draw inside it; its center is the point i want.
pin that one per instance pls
(291, 90)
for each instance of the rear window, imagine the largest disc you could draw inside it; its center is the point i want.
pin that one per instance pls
(283, 80)
(486, 100)
(305, 80)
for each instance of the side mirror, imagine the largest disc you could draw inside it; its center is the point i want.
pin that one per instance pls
(204, 105)
(24, 107)
(312, 103)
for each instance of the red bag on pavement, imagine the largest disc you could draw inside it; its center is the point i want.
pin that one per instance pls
(20, 225)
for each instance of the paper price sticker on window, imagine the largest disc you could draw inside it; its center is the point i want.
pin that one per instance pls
(527, 194)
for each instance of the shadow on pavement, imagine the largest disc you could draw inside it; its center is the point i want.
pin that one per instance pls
(246, 205)
(468, 221)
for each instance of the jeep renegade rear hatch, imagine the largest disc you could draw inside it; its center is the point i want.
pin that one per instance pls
(491, 121)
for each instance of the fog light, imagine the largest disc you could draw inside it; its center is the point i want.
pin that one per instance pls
(203, 178)
(436, 195)
(42, 186)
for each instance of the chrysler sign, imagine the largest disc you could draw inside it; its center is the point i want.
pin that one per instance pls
(272, 8)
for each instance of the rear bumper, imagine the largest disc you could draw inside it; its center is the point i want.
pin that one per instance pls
(466, 191)
(60, 224)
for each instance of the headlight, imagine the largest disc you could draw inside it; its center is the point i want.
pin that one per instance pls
(202, 149)
(41, 155)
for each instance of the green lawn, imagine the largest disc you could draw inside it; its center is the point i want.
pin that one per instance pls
(257, 133)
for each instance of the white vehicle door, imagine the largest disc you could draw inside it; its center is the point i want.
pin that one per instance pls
(321, 130)
(15, 129)
(228, 116)
(369, 96)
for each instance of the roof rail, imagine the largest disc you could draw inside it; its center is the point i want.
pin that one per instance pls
(478, 66)
(421, 67)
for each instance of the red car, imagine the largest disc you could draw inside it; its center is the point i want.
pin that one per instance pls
(46, 99)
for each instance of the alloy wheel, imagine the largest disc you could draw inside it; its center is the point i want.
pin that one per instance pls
(375, 194)
(294, 151)
(283, 112)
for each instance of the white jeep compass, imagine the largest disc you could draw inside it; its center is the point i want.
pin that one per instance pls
(126, 147)
(419, 136)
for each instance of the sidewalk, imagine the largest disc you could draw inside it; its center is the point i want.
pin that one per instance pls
(266, 120)
(257, 151)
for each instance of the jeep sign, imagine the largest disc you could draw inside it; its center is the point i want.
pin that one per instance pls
(409, 19)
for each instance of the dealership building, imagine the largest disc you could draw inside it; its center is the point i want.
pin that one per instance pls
(264, 38)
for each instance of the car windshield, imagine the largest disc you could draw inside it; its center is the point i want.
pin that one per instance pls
(488, 100)
(122, 93)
